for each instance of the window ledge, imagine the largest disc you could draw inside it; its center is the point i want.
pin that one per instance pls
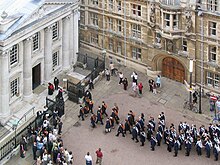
(212, 64)
(183, 53)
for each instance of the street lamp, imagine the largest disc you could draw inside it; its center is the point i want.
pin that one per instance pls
(190, 71)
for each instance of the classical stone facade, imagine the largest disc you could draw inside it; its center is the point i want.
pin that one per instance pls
(157, 35)
(38, 40)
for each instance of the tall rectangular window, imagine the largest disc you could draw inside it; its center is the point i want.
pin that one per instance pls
(55, 59)
(94, 39)
(167, 20)
(212, 53)
(136, 31)
(111, 45)
(212, 28)
(94, 19)
(119, 5)
(55, 31)
(175, 21)
(136, 53)
(184, 45)
(14, 54)
(212, 5)
(136, 10)
(110, 23)
(36, 42)
(14, 87)
(119, 26)
(119, 47)
(213, 79)
(110, 4)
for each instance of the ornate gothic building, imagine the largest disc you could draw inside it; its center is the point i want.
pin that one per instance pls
(157, 35)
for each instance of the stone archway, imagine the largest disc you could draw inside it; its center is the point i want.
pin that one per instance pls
(173, 69)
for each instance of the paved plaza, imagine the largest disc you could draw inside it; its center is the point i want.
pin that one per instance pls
(80, 138)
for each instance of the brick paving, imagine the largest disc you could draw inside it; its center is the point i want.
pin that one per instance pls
(79, 137)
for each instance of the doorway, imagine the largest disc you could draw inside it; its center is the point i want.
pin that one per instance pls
(173, 69)
(36, 76)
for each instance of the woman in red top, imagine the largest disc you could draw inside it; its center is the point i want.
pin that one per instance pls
(140, 87)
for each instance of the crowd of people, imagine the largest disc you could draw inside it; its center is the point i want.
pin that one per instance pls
(177, 137)
(47, 144)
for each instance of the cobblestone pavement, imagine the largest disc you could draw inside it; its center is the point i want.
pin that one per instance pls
(79, 137)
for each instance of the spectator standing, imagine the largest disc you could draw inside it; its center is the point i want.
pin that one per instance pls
(88, 158)
(91, 85)
(125, 83)
(56, 83)
(158, 81)
(99, 155)
(140, 88)
(120, 78)
(112, 68)
(107, 74)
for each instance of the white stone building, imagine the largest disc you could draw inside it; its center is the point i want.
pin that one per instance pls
(38, 40)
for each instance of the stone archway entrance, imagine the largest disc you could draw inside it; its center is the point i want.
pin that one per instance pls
(173, 69)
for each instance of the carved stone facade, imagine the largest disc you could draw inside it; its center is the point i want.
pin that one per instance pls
(153, 34)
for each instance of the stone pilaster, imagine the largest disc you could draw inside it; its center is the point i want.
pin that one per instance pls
(71, 39)
(66, 43)
(4, 85)
(27, 69)
(76, 35)
(48, 57)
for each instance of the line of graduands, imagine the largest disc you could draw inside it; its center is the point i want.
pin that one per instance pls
(176, 138)
(47, 145)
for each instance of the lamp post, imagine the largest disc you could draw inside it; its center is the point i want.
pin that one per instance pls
(190, 86)
(104, 55)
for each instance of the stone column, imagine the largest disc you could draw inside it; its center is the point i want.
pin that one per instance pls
(76, 35)
(66, 43)
(71, 39)
(48, 59)
(27, 69)
(4, 86)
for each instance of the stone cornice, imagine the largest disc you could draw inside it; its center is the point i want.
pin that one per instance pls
(42, 23)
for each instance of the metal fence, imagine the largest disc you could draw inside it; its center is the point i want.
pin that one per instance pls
(96, 65)
(16, 135)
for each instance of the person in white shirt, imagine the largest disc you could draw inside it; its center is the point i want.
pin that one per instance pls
(88, 158)
(120, 78)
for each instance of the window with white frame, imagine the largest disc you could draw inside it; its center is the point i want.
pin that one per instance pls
(94, 39)
(82, 17)
(136, 30)
(111, 45)
(213, 79)
(119, 47)
(119, 5)
(94, 19)
(212, 28)
(95, 2)
(110, 23)
(212, 53)
(119, 27)
(136, 53)
(36, 41)
(14, 54)
(175, 21)
(184, 45)
(136, 10)
(14, 87)
(110, 4)
(167, 20)
(55, 31)
(212, 5)
(55, 59)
